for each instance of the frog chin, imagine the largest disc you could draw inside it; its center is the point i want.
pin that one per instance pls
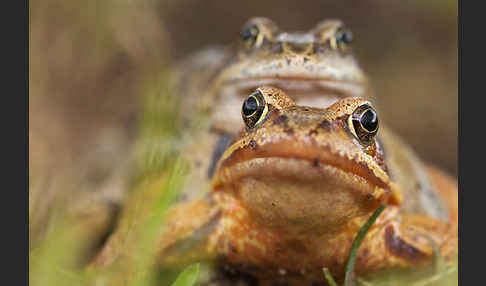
(299, 196)
(297, 86)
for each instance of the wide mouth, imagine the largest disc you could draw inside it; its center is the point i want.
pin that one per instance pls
(299, 85)
(289, 160)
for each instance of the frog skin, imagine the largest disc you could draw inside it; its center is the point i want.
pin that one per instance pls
(290, 194)
(315, 68)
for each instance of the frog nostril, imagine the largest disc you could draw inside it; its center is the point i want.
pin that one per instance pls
(276, 48)
(319, 49)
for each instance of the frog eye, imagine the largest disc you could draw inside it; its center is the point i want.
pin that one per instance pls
(251, 35)
(363, 123)
(342, 38)
(254, 109)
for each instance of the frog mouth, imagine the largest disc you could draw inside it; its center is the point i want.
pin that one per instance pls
(298, 86)
(305, 190)
(310, 165)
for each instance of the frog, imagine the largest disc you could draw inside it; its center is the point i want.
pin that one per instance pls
(289, 195)
(315, 67)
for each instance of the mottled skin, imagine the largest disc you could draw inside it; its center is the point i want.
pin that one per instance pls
(313, 67)
(289, 195)
(296, 188)
(316, 70)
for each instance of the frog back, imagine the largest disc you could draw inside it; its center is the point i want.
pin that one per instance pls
(426, 190)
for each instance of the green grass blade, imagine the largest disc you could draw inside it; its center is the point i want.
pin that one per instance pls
(187, 277)
(329, 278)
(357, 242)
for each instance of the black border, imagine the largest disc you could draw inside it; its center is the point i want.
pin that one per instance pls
(470, 143)
(15, 141)
(22, 68)
(14, 23)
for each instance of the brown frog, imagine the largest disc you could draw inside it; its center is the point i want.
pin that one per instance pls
(315, 68)
(289, 195)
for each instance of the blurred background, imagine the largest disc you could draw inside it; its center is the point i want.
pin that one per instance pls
(90, 62)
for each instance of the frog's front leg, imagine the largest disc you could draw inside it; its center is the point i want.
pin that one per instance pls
(187, 234)
(403, 240)
(406, 240)
(182, 239)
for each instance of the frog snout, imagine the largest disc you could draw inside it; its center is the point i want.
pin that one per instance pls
(298, 48)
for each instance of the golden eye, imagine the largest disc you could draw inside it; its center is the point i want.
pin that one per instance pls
(363, 123)
(254, 109)
(252, 35)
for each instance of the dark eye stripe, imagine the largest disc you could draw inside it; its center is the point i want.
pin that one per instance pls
(224, 141)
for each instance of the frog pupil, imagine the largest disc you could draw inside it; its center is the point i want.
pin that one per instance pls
(369, 120)
(249, 33)
(344, 36)
(250, 106)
